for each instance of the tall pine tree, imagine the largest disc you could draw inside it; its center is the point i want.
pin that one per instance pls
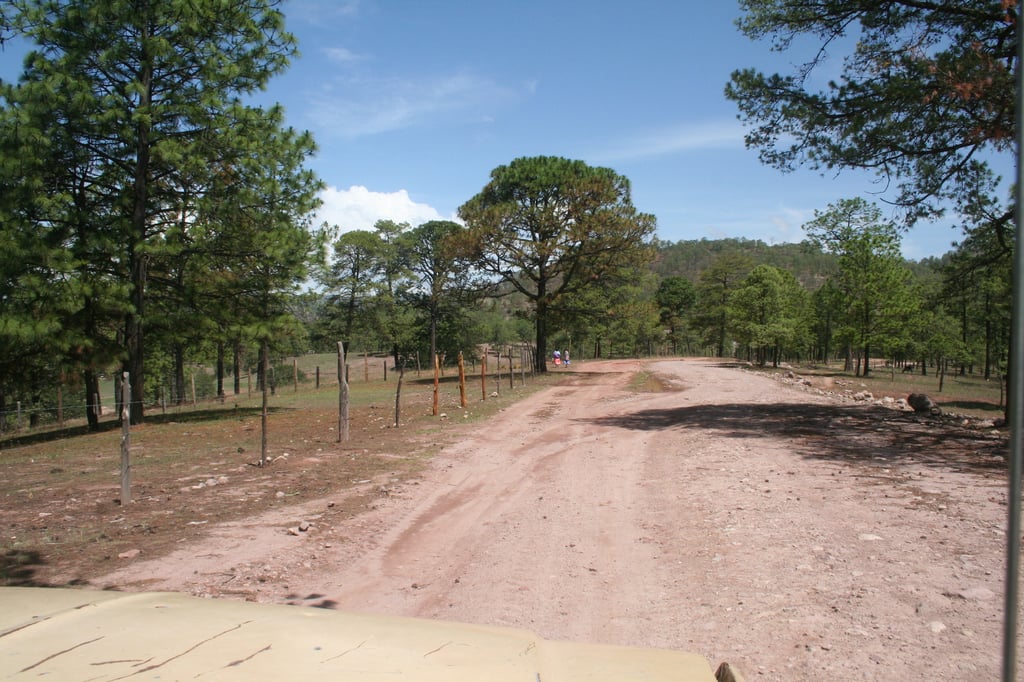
(145, 96)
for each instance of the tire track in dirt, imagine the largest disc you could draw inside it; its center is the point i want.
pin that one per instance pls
(731, 516)
(485, 510)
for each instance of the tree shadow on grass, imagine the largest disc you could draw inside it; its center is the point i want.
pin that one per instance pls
(852, 434)
(977, 405)
(190, 417)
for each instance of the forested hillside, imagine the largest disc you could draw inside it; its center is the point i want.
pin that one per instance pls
(688, 258)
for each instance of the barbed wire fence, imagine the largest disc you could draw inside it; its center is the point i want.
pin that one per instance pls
(69, 407)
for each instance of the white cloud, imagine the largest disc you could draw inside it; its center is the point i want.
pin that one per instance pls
(358, 208)
(681, 138)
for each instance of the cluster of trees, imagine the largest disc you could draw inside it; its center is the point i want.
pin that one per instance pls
(865, 304)
(560, 240)
(145, 207)
(862, 302)
(150, 217)
(926, 97)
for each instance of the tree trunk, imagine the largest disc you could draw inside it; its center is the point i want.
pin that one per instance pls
(220, 371)
(988, 343)
(541, 359)
(137, 259)
(828, 337)
(236, 366)
(118, 397)
(92, 392)
(433, 332)
(179, 375)
(721, 337)
(133, 341)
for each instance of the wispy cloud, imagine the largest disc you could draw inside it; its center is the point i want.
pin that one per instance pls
(315, 11)
(677, 139)
(356, 107)
(342, 55)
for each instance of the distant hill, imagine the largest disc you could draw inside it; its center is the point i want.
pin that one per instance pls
(688, 258)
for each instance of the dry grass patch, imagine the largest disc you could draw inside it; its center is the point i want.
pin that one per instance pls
(62, 521)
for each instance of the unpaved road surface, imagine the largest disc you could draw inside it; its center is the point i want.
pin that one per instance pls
(796, 536)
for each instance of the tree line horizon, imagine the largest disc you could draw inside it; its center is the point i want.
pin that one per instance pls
(150, 217)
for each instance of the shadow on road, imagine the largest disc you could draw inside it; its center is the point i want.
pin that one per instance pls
(849, 433)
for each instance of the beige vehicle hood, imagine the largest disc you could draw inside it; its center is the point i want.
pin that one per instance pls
(66, 634)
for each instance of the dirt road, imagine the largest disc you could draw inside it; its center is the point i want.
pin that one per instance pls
(797, 537)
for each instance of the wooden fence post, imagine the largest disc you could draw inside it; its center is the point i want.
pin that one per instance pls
(462, 380)
(437, 370)
(483, 374)
(511, 371)
(265, 364)
(342, 394)
(398, 392)
(497, 370)
(126, 464)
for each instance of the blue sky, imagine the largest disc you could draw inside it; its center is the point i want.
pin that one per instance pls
(413, 103)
